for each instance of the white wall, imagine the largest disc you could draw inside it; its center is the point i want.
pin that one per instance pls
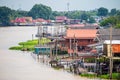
(53, 30)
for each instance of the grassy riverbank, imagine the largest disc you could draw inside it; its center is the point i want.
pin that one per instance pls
(115, 76)
(29, 45)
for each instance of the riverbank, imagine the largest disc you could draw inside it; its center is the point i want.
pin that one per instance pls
(29, 44)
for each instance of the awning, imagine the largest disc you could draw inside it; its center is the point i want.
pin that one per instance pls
(96, 44)
(112, 42)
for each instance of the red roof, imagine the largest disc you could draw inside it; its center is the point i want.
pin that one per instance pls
(61, 17)
(20, 20)
(81, 33)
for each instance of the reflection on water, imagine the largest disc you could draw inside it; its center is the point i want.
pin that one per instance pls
(18, 65)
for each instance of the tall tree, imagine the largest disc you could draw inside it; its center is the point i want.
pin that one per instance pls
(22, 13)
(91, 20)
(113, 11)
(84, 16)
(102, 11)
(5, 14)
(40, 11)
(114, 20)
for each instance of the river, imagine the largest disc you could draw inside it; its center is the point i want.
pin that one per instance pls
(18, 65)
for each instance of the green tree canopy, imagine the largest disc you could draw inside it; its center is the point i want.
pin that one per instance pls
(5, 14)
(91, 20)
(102, 11)
(40, 11)
(84, 16)
(114, 20)
(113, 11)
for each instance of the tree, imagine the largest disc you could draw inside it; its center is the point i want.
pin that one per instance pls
(74, 14)
(5, 14)
(113, 11)
(91, 20)
(40, 11)
(84, 16)
(22, 13)
(107, 21)
(114, 20)
(102, 11)
(118, 12)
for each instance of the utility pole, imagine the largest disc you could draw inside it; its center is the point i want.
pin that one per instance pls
(32, 37)
(68, 11)
(39, 34)
(74, 47)
(111, 55)
(70, 47)
(57, 42)
(68, 6)
(56, 48)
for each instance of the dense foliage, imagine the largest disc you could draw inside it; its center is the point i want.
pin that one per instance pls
(40, 11)
(5, 14)
(45, 12)
(113, 20)
(102, 11)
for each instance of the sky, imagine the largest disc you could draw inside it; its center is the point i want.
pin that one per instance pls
(61, 5)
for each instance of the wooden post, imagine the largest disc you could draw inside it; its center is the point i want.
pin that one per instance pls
(74, 47)
(32, 37)
(51, 56)
(111, 55)
(70, 47)
(56, 48)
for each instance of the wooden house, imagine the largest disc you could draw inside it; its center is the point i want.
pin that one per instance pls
(103, 37)
(76, 40)
(115, 45)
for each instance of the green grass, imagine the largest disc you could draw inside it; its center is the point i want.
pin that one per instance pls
(88, 75)
(114, 76)
(29, 45)
(16, 48)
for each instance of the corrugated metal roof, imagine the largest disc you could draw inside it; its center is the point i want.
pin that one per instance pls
(113, 42)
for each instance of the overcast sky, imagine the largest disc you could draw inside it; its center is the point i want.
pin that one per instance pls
(61, 5)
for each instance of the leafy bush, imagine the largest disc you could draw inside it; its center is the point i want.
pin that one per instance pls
(88, 75)
(114, 76)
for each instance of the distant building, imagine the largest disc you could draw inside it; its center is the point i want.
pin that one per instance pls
(65, 20)
(103, 37)
(51, 30)
(22, 21)
(60, 19)
(104, 34)
(27, 21)
(115, 48)
(83, 26)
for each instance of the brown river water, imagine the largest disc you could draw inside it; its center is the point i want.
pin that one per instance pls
(18, 65)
